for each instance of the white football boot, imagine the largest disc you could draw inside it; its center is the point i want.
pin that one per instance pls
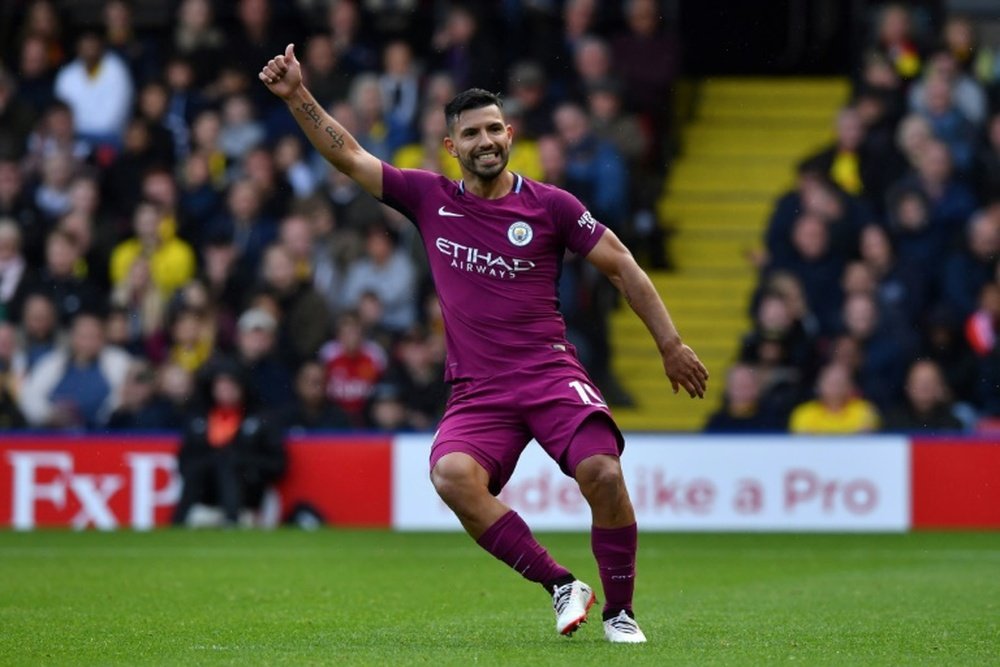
(622, 629)
(572, 601)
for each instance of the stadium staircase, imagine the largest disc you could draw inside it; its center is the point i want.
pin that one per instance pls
(739, 149)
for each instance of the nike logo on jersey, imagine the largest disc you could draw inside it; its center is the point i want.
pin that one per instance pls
(448, 214)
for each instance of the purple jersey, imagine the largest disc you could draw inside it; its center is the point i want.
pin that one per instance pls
(495, 264)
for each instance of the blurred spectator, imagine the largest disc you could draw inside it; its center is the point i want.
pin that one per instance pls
(928, 404)
(430, 153)
(143, 304)
(389, 273)
(951, 201)
(61, 281)
(400, 86)
(353, 53)
(328, 79)
(192, 339)
(52, 194)
(968, 269)
(39, 328)
(123, 179)
(591, 65)
(199, 201)
(817, 267)
(901, 285)
(779, 337)
(16, 203)
(15, 277)
(12, 369)
(885, 347)
(895, 39)
(595, 170)
(171, 260)
(328, 243)
(950, 125)
(141, 408)
(742, 411)
(467, 52)
(77, 386)
(353, 368)
(245, 223)
(274, 191)
(962, 92)
(647, 57)
(944, 344)
(268, 376)
(240, 131)
(386, 410)
(197, 38)
(845, 162)
(983, 324)
(230, 454)
(291, 165)
(311, 411)
(418, 376)
(176, 386)
(379, 133)
(837, 409)
(184, 103)
(206, 129)
(304, 324)
(152, 107)
(99, 88)
(16, 118)
(35, 74)
(987, 169)
(138, 52)
(527, 86)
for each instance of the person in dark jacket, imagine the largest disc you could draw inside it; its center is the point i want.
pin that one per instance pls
(229, 454)
(927, 406)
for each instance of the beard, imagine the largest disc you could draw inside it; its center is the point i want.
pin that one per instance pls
(486, 172)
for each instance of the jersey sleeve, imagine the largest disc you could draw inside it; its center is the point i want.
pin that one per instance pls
(402, 188)
(580, 231)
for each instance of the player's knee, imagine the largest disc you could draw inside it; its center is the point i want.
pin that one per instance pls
(600, 474)
(454, 478)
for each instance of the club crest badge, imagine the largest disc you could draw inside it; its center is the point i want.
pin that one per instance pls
(520, 233)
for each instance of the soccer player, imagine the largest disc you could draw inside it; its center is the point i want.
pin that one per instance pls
(495, 241)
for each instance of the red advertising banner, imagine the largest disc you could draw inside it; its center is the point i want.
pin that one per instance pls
(956, 483)
(87, 482)
(109, 482)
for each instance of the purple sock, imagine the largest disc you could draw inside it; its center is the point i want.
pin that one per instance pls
(510, 540)
(614, 549)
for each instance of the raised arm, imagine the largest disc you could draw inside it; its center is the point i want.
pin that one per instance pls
(681, 364)
(283, 76)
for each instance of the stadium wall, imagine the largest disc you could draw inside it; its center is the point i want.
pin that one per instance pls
(678, 482)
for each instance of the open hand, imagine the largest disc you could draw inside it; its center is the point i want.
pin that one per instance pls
(684, 369)
(282, 74)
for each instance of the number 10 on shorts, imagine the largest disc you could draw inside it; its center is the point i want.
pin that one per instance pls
(588, 395)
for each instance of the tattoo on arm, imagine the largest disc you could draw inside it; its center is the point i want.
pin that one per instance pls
(337, 140)
(310, 111)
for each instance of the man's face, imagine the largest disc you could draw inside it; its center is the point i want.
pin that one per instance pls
(87, 338)
(481, 141)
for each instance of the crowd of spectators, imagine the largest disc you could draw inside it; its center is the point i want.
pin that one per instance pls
(163, 224)
(878, 303)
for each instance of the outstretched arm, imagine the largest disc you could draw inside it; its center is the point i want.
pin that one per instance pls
(681, 364)
(283, 76)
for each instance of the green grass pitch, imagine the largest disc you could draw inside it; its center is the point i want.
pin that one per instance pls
(338, 597)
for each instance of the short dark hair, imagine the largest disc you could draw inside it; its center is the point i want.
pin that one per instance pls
(473, 98)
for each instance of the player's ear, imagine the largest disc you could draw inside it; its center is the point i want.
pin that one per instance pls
(449, 146)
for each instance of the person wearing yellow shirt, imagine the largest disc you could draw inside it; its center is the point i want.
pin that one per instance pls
(171, 260)
(837, 409)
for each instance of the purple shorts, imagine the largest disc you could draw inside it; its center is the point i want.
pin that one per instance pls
(493, 420)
